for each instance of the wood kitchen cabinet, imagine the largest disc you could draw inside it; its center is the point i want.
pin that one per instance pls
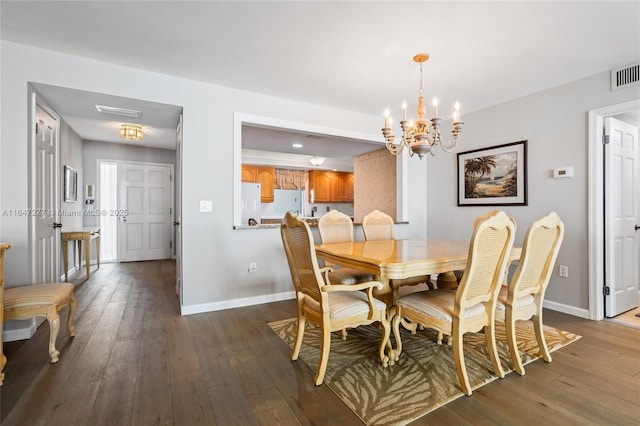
(331, 187)
(263, 175)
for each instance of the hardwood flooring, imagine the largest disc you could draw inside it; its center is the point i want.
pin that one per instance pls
(136, 361)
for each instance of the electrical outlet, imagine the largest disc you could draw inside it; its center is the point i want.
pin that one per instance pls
(563, 271)
(253, 267)
(206, 206)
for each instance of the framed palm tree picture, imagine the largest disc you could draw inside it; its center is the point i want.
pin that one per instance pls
(493, 176)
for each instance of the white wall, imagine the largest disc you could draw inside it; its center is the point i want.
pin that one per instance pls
(215, 255)
(555, 123)
(71, 212)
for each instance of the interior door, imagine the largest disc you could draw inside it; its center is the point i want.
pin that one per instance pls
(178, 211)
(44, 200)
(621, 217)
(144, 211)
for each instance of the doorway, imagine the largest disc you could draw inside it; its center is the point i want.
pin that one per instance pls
(597, 199)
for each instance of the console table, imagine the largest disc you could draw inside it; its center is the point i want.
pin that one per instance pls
(80, 235)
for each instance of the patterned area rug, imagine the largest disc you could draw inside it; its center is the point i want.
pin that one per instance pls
(422, 380)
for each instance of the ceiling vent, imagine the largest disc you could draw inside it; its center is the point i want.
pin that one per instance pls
(628, 75)
(314, 137)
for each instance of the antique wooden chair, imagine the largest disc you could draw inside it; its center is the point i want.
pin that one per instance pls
(522, 298)
(45, 300)
(470, 307)
(337, 227)
(333, 307)
(377, 225)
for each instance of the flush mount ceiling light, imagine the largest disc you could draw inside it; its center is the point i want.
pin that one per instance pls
(422, 136)
(131, 132)
(119, 111)
(316, 161)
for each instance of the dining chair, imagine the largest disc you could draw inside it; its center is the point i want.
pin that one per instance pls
(522, 298)
(333, 307)
(470, 307)
(377, 225)
(337, 227)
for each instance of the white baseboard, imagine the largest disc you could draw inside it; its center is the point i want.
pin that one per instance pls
(236, 303)
(23, 333)
(566, 309)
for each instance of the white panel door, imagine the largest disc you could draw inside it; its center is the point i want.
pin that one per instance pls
(621, 217)
(45, 244)
(145, 212)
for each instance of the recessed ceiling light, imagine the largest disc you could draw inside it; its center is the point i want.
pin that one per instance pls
(297, 145)
(119, 111)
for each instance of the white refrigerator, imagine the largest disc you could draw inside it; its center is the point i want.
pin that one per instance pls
(251, 207)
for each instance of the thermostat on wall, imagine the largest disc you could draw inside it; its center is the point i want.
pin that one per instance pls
(563, 172)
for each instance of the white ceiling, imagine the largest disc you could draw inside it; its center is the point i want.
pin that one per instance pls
(349, 55)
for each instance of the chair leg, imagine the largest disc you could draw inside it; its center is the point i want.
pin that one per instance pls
(324, 355)
(510, 325)
(490, 337)
(73, 304)
(3, 362)
(343, 334)
(302, 320)
(54, 326)
(461, 368)
(542, 343)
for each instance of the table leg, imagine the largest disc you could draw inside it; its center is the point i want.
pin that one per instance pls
(87, 256)
(65, 259)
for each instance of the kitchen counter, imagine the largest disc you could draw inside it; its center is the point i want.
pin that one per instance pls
(275, 224)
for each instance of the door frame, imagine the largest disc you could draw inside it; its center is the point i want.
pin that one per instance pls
(596, 201)
(171, 199)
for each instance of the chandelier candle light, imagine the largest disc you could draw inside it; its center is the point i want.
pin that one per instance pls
(421, 136)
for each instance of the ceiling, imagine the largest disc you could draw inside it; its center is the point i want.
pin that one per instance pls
(354, 56)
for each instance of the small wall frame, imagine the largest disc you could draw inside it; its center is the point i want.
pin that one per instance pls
(70, 184)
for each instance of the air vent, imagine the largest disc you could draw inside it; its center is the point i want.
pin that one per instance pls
(314, 137)
(628, 75)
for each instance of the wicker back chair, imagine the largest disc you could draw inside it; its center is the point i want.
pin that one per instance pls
(522, 298)
(333, 307)
(470, 307)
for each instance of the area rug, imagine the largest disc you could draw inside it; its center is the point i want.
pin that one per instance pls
(422, 380)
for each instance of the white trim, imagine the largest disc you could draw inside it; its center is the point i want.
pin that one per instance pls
(567, 309)
(596, 200)
(236, 303)
(22, 333)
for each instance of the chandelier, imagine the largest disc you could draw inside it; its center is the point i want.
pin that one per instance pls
(131, 132)
(421, 136)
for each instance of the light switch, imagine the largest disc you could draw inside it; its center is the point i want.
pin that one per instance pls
(206, 206)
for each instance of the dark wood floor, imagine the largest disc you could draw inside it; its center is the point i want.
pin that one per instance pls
(136, 361)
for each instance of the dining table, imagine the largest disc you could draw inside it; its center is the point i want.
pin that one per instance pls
(400, 259)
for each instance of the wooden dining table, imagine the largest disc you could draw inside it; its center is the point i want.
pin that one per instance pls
(399, 259)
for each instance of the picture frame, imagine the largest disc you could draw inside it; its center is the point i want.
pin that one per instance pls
(493, 176)
(70, 184)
